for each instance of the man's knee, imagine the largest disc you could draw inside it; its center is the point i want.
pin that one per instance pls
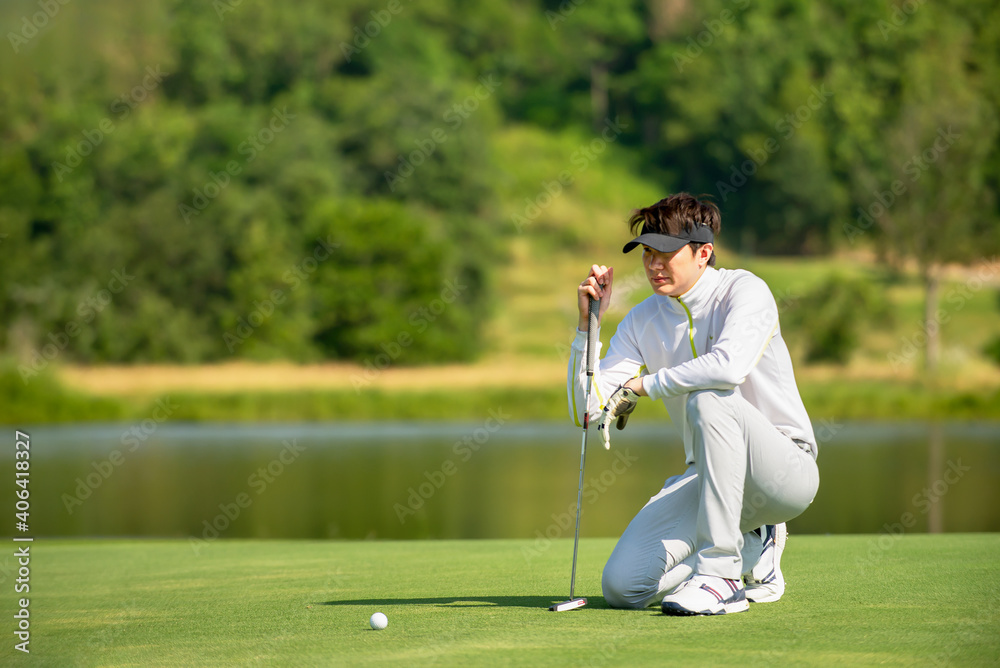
(620, 588)
(705, 402)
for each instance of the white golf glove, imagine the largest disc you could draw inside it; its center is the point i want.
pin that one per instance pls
(619, 405)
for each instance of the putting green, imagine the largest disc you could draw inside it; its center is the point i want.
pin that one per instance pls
(851, 600)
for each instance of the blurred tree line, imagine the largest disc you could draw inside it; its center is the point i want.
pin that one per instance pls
(190, 181)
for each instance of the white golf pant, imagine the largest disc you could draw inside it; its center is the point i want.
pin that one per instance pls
(745, 474)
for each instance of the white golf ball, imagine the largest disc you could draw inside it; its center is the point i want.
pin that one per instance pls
(379, 621)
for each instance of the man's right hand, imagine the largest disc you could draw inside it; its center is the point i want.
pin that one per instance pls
(596, 285)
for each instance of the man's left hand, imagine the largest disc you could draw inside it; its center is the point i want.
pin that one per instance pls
(619, 405)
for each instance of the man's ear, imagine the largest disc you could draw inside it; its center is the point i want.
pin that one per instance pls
(705, 252)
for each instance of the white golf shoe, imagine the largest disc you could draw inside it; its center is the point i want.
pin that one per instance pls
(706, 595)
(765, 583)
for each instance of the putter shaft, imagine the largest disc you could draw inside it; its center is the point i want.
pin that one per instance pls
(595, 306)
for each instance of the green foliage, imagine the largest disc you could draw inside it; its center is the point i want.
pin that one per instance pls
(992, 350)
(992, 347)
(211, 170)
(399, 289)
(201, 148)
(35, 399)
(921, 163)
(833, 316)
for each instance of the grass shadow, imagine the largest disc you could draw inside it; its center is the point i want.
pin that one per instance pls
(471, 601)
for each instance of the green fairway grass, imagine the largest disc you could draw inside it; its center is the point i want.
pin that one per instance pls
(840, 398)
(851, 601)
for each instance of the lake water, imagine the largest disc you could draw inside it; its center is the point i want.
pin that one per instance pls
(485, 480)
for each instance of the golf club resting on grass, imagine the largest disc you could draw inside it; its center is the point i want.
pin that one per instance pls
(594, 306)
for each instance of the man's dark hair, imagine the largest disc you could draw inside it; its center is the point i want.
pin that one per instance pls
(676, 214)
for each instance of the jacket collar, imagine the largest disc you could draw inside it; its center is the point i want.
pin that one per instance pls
(699, 297)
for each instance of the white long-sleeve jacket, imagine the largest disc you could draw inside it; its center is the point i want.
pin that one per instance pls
(722, 334)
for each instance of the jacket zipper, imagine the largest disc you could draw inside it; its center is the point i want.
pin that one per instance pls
(694, 351)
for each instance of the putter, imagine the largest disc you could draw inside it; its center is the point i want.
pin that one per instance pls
(574, 603)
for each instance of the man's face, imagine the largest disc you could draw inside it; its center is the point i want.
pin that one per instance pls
(673, 274)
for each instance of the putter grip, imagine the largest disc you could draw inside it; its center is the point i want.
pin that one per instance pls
(595, 308)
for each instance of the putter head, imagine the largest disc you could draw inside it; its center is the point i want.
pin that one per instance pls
(571, 604)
